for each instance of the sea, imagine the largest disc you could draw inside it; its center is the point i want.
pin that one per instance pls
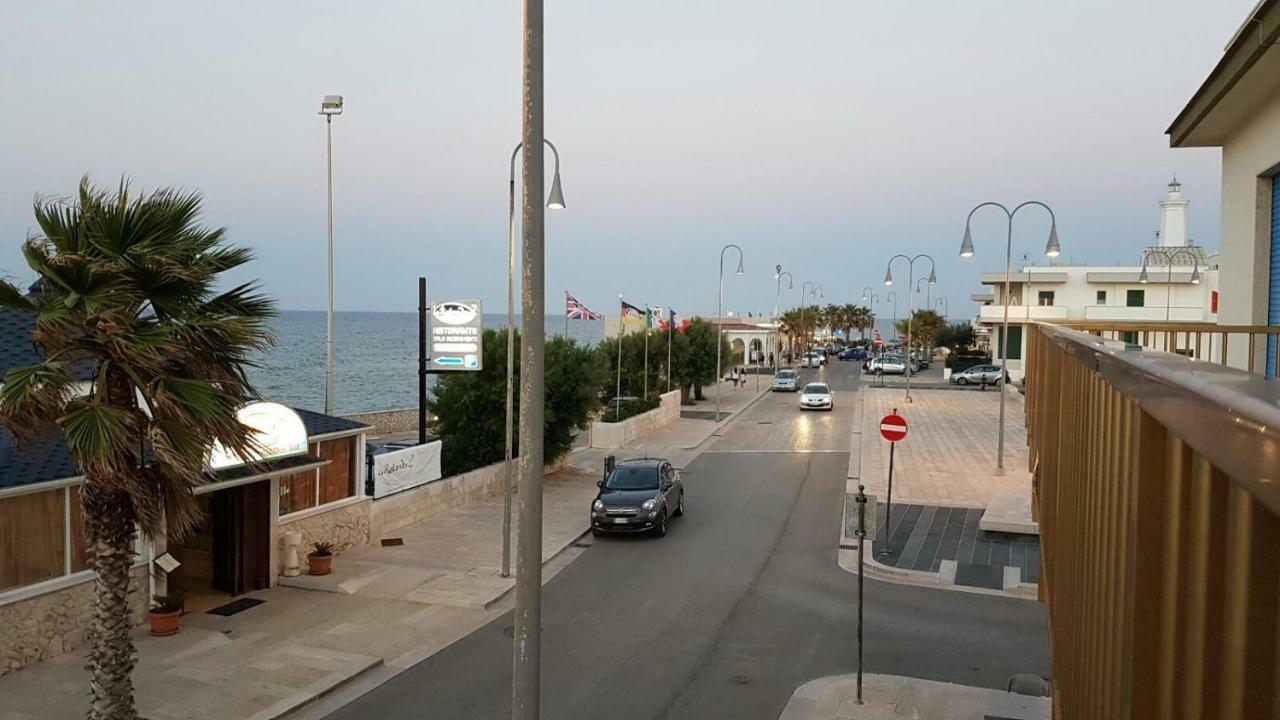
(375, 357)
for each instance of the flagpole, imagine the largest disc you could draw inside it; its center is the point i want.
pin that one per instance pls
(566, 314)
(671, 321)
(646, 351)
(617, 397)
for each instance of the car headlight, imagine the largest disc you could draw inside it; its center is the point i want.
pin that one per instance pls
(649, 504)
(598, 506)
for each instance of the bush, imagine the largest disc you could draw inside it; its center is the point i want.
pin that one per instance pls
(470, 408)
(964, 361)
(630, 409)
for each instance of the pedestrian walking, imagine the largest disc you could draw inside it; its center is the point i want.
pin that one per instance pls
(733, 377)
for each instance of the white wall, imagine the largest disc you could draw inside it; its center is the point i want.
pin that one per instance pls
(1076, 299)
(615, 435)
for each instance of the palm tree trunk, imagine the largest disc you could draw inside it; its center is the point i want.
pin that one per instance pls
(110, 530)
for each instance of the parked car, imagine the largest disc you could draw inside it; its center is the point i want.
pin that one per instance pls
(813, 359)
(887, 365)
(816, 396)
(852, 354)
(978, 375)
(786, 381)
(619, 402)
(638, 495)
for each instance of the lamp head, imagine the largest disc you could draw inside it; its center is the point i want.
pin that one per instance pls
(777, 271)
(888, 276)
(331, 105)
(1195, 275)
(739, 271)
(933, 277)
(966, 245)
(555, 201)
(1142, 276)
(1052, 248)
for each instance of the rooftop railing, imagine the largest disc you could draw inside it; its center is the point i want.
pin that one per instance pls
(1157, 489)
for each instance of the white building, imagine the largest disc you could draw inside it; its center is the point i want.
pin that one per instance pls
(1179, 286)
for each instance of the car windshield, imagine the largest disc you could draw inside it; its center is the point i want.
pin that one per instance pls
(816, 389)
(786, 374)
(633, 477)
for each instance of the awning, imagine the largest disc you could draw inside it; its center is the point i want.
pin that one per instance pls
(245, 474)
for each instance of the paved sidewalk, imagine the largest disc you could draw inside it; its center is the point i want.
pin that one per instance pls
(383, 610)
(890, 697)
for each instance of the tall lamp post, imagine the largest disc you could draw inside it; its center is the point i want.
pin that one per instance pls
(720, 317)
(911, 270)
(330, 106)
(945, 304)
(893, 296)
(814, 292)
(872, 298)
(1169, 256)
(777, 306)
(555, 201)
(1051, 249)
(928, 290)
(526, 676)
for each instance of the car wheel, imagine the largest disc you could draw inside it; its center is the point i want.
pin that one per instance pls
(962, 381)
(661, 530)
(596, 533)
(680, 507)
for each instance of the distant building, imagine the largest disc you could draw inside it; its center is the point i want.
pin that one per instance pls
(1180, 285)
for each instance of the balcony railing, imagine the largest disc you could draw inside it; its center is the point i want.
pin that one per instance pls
(1159, 508)
(1240, 346)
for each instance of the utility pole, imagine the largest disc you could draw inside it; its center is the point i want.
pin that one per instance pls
(526, 683)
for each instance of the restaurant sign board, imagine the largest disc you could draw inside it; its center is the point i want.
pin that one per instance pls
(455, 336)
(403, 469)
(277, 429)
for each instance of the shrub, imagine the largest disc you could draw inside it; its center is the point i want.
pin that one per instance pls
(630, 409)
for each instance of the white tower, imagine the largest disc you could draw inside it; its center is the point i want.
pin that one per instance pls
(1173, 217)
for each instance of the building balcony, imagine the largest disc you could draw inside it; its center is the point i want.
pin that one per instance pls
(1020, 313)
(1148, 314)
(1154, 486)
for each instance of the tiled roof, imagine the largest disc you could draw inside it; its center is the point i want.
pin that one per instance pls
(47, 459)
(17, 350)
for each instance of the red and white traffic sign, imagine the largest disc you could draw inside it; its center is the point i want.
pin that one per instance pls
(893, 427)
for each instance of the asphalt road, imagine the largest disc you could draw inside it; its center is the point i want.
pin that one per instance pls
(736, 607)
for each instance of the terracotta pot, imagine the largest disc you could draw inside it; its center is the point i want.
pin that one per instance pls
(319, 564)
(164, 623)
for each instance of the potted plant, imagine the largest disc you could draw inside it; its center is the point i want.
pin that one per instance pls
(320, 559)
(164, 614)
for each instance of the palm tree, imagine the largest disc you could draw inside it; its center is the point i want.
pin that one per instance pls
(863, 319)
(127, 288)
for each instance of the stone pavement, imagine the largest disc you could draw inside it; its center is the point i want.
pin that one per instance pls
(890, 697)
(383, 610)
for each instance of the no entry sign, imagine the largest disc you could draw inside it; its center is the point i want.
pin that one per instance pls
(893, 427)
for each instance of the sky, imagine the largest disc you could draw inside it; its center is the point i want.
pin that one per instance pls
(825, 136)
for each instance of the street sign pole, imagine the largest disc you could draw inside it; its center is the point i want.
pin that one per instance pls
(861, 534)
(422, 361)
(888, 505)
(893, 427)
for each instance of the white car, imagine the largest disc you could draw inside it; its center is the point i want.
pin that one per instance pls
(817, 396)
(813, 360)
(786, 381)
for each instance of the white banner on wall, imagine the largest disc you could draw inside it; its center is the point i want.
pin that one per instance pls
(404, 469)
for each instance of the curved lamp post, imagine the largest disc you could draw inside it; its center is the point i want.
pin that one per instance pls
(1051, 249)
(1169, 255)
(928, 289)
(555, 201)
(777, 305)
(868, 295)
(945, 304)
(330, 106)
(911, 269)
(720, 318)
(893, 296)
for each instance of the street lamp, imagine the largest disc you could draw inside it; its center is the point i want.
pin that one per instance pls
(945, 304)
(555, 201)
(719, 319)
(1168, 256)
(815, 292)
(891, 295)
(928, 289)
(330, 106)
(1051, 249)
(911, 269)
(777, 305)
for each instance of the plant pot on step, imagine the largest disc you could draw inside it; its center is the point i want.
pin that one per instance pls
(320, 559)
(165, 615)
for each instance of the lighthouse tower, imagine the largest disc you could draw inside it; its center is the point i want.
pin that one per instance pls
(1173, 217)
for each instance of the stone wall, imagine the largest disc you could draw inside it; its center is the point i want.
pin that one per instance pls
(346, 527)
(49, 625)
(387, 422)
(393, 512)
(615, 435)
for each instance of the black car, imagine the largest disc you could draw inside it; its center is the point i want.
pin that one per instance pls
(638, 495)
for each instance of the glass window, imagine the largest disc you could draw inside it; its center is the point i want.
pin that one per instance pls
(1135, 298)
(33, 533)
(1046, 297)
(633, 477)
(297, 492)
(1102, 297)
(337, 477)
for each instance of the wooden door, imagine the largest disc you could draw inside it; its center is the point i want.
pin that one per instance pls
(242, 538)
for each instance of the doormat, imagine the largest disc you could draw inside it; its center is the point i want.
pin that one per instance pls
(235, 606)
(392, 542)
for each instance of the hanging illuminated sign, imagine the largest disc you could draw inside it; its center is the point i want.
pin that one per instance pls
(455, 336)
(278, 431)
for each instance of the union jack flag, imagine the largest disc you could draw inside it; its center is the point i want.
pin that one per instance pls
(575, 310)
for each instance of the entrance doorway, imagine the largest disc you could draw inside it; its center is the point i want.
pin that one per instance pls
(229, 553)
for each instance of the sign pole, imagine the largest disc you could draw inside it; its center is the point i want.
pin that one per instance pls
(422, 361)
(888, 505)
(861, 534)
(893, 427)
(646, 351)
